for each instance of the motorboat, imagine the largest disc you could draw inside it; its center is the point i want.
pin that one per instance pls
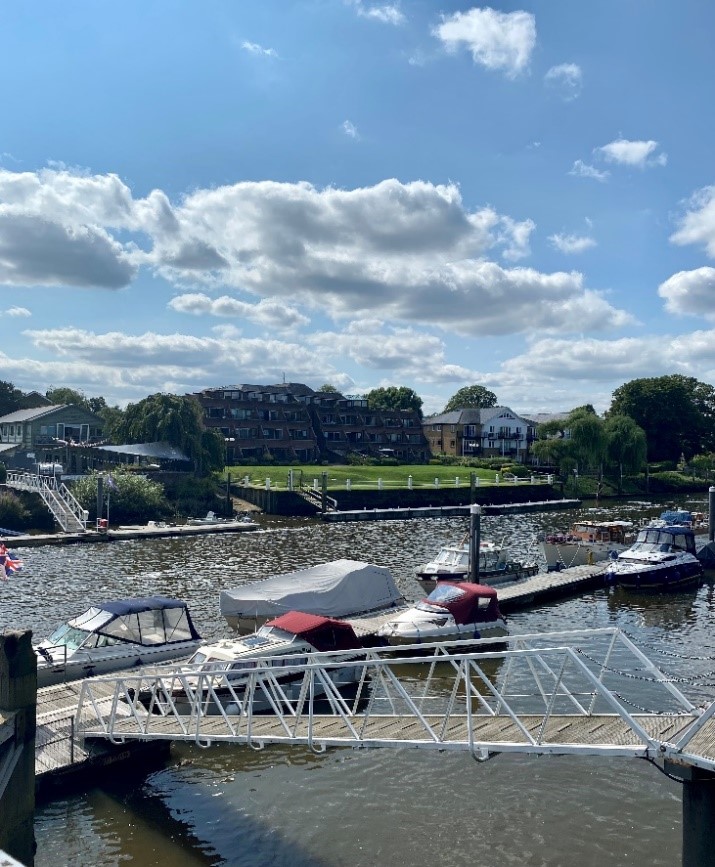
(662, 558)
(340, 588)
(453, 611)
(452, 563)
(587, 542)
(112, 636)
(263, 669)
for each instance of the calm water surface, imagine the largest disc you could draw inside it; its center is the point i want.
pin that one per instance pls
(286, 806)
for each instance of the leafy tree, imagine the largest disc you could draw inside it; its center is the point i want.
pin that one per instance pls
(471, 397)
(676, 412)
(177, 420)
(112, 417)
(9, 397)
(65, 395)
(588, 440)
(133, 497)
(394, 397)
(627, 445)
(327, 388)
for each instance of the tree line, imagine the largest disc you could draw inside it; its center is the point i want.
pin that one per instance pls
(660, 419)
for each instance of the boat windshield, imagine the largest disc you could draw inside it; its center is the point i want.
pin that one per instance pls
(451, 557)
(444, 593)
(656, 539)
(69, 637)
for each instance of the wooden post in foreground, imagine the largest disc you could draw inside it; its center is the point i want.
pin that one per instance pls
(18, 710)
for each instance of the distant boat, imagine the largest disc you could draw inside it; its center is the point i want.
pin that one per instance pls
(495, 566)
(587, 542)
(661, 559)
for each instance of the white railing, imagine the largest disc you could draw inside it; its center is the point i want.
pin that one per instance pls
(65, 508)
(588, 693)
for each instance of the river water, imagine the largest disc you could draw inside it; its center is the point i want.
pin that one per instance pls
(287, 807)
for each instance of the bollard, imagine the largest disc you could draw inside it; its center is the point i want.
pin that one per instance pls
(456, 481)
(348, 485)
(409, 483)
(436, 483)
(379, 484)
(18, 701)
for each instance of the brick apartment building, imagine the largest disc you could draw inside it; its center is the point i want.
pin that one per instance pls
(292, 422)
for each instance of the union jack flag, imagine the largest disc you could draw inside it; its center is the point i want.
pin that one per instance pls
(9, 563)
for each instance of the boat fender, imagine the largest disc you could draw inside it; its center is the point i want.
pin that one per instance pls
(613, 555)
(476, 634)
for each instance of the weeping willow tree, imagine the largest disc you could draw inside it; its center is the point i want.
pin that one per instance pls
(177, 420)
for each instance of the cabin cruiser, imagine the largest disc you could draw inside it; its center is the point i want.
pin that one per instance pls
(662, 558)
(340, 588)
(217, 678)
(454, 611)
(112, 636)
(495, 568)
(587, 542)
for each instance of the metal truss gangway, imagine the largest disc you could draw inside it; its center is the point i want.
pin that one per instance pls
(570, 693)
(65, 508)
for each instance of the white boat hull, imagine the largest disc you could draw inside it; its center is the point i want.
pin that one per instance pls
(91, 664)
(564, 555)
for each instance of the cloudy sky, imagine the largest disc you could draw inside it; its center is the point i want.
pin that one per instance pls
(420, 193)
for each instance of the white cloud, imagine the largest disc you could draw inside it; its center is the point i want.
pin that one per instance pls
(349, 129)
(402, 352)
(571, 243)
(411, 252)
(690, 292)
(17, 311)
(497, 40)
(566, 79)
(640, 154)
(268, 312)
(387, 13)
(259, 50)
(583, 170)
(697, 225)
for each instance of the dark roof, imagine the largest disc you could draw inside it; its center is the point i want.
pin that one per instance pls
(32, 413)
(471, 415)
(161, 451)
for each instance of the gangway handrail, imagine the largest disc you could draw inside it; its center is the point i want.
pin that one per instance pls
(395, 704)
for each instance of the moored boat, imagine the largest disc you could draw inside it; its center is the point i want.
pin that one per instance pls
(662, 558)
(586, 542)
(453, 611)
(452, 563)
(340, 588)
(111, 636)
(262, 669)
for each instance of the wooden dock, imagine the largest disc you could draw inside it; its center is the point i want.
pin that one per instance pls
(407, 512)
(122, 534)
(546, 586)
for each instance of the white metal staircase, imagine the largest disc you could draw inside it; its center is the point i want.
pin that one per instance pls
(65, 508)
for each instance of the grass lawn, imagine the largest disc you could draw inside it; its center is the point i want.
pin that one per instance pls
(364, 476)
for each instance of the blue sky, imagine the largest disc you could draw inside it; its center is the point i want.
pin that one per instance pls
(363, 193)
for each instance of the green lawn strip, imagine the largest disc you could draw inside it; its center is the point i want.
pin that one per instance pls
(423, 476)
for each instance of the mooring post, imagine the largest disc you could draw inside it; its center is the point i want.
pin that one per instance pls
(18, 709)
(475, 511)
(711, 513)
(324, 493)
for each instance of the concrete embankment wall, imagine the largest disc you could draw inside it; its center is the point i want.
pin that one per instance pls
(291, 503)
(18, 704)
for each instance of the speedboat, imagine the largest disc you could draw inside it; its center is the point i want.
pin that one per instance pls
(112, 636)
(495, 567)
(662, 558)
(340, 588)
(262, 669)
(587, 542)
(453, 611)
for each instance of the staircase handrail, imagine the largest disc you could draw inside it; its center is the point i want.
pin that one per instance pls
(57, 497)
